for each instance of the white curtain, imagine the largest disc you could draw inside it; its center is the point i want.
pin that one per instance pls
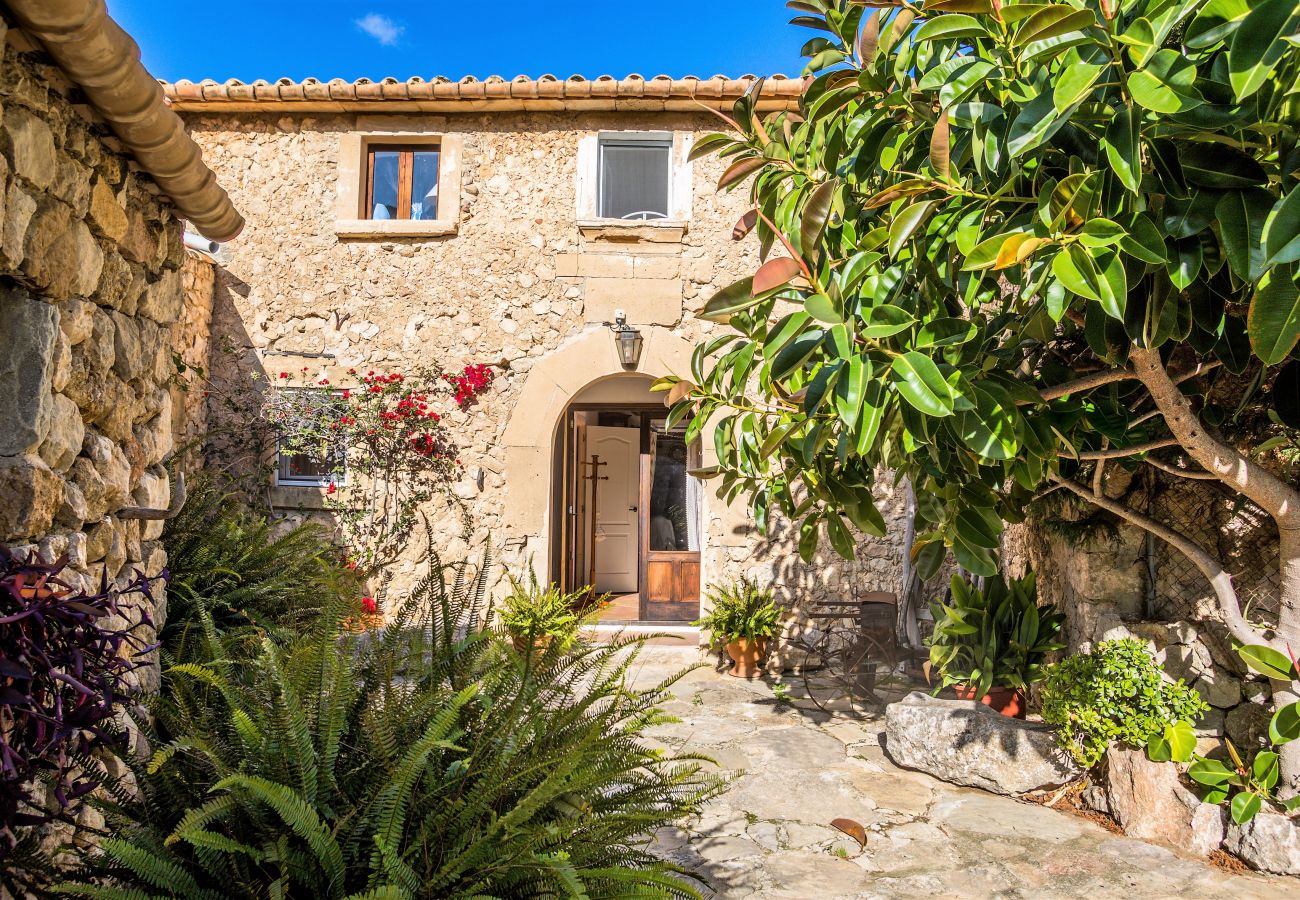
(692, 503)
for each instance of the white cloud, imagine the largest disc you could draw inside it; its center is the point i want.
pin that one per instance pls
(381, 28)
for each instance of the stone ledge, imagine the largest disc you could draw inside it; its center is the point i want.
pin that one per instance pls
(654, 231)
(392, 228)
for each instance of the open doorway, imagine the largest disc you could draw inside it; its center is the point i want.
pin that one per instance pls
(628, 518)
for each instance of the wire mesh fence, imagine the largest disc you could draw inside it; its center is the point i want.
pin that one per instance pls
(1234, 530)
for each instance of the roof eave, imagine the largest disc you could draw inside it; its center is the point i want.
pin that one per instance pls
(101, 58)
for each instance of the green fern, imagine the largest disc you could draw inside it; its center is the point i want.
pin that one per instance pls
(427, 759)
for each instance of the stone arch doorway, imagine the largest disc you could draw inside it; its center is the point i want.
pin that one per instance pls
(577, 401)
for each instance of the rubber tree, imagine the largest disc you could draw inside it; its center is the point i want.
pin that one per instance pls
(1008, 247)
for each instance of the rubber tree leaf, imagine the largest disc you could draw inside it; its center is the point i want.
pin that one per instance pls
(1052, 21)
(1122, 143)
(1241, 216)
(731, 299)
(851, 391)
(920, 383)
(949, 27)
(1285, 724)
(739, 170)
(1167, 84)
(906, 223)
(1038, 120)
(822, 308)
(1282, 231)
(815, 215)
(773, 274)
(1259, 43)
(1074, 84)
(1273, 321)
(1268, 662)
(940, 148)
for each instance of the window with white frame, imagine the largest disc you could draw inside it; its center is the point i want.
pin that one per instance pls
(634, 176)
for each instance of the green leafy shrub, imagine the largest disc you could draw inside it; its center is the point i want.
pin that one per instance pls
(739, 611)
(997, 636)
(240, 569)
(530, 612)
(1247, 787)
(1113, 694)
(420, 761)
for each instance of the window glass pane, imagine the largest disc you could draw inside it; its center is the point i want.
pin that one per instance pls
(384, 190)
(634, 180)
(424, 185)
(305, 462)
(673, 496)
(305, 467)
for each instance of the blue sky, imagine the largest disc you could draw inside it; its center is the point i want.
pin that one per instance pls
(250, 39)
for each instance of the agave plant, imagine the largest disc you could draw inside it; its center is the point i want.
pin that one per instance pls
(994, 636)
(414, 762)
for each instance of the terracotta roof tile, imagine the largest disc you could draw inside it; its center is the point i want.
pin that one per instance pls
(548, 91)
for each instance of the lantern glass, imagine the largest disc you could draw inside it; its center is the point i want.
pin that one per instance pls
(629, 347)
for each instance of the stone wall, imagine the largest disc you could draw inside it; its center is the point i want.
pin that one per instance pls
(190, 345)
(90, 286)
(1104, 582)
(519, 281)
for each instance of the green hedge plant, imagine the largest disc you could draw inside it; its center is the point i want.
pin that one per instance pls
(995, 636)
(1116, 694)
(1247, 786)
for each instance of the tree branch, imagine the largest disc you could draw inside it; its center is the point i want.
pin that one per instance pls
(1269, 492)
(1182, 473)
(1119, 452)
(1087, 382)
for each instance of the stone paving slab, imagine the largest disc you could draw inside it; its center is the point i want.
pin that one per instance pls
(770, 837)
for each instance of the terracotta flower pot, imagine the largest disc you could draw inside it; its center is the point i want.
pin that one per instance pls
(1008, 701)
(747, 656)
(539, 644)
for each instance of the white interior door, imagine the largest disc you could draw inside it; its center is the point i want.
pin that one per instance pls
(617, 538)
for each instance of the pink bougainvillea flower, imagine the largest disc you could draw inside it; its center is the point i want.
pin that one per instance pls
(331, 488)
(369, 606)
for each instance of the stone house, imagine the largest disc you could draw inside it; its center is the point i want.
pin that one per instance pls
(510, 223)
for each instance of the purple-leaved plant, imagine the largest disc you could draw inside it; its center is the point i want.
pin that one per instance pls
(64, 660)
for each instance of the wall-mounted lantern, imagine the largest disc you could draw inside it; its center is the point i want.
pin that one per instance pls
(627, 339)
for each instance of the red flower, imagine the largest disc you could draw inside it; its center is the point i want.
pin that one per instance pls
(347, 395)
(368, 606)
(331, 488)
(284, 374)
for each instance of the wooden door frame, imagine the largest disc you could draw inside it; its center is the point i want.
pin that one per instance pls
(564, 469)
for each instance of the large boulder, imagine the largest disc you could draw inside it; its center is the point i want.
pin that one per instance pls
(1149, 802)
(964, 742)
(1269, 842)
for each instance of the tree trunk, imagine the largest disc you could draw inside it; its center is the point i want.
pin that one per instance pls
(908, 594)
(1279, 499)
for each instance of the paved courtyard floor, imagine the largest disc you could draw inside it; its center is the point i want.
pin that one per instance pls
(770, 835)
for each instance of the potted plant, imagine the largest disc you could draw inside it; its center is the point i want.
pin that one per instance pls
(534, 616)
(990, 642)
(742, 620)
